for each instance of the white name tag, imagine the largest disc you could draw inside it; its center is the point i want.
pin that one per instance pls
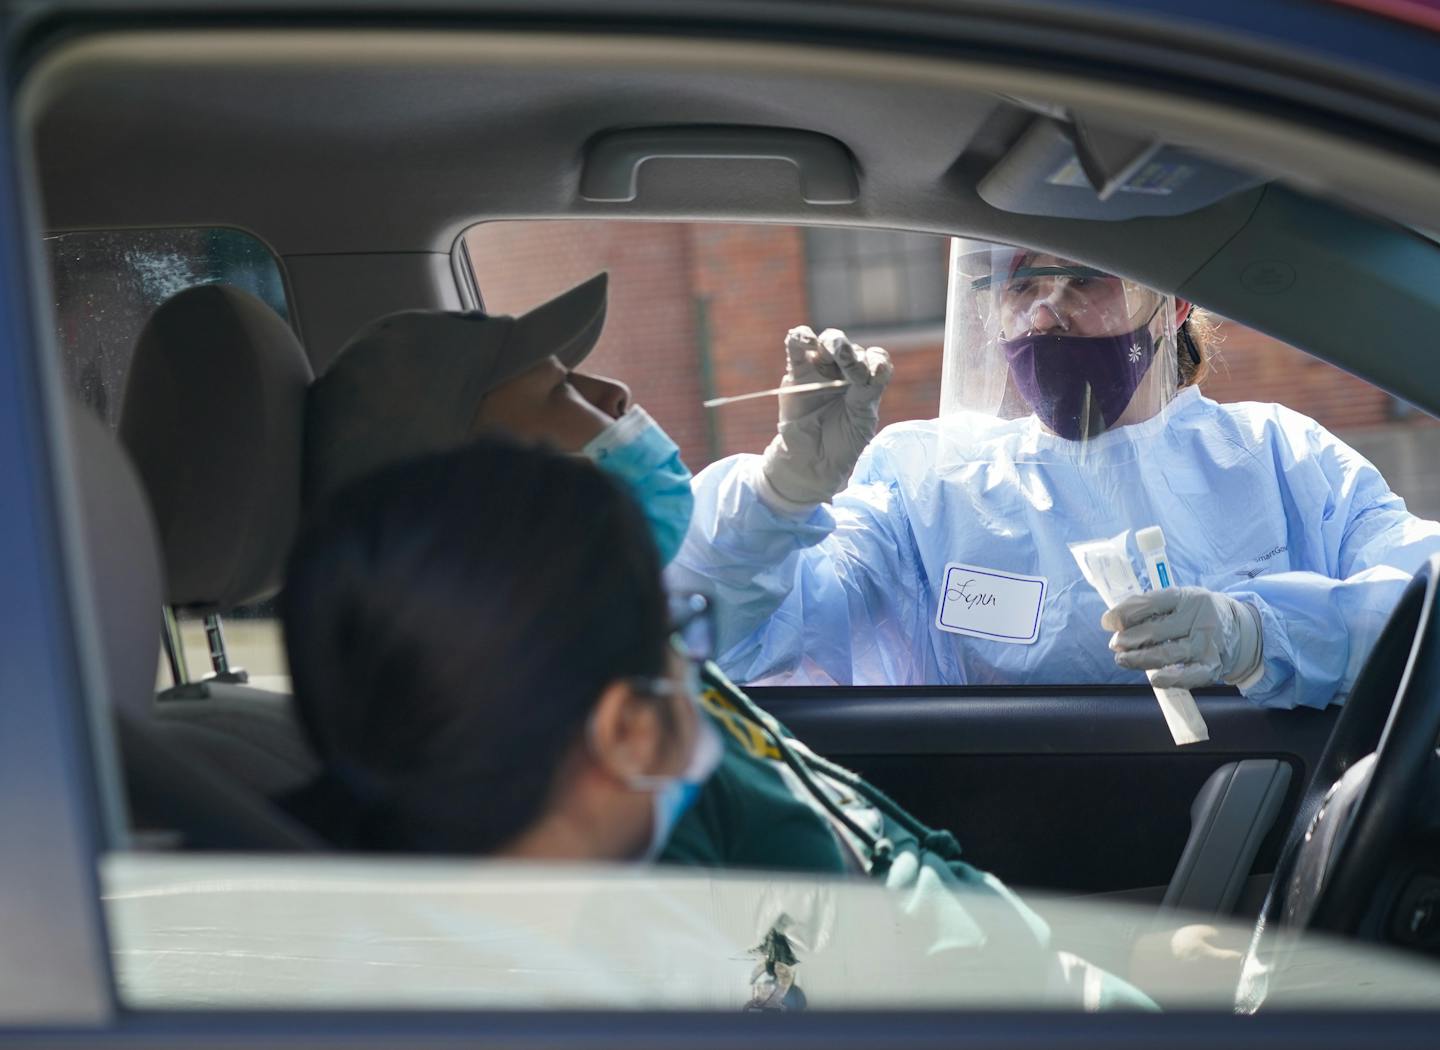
(986, 603)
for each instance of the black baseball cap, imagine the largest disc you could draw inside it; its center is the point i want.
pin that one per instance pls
(411, 382)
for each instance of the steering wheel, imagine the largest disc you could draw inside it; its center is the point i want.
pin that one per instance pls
(1361, 799)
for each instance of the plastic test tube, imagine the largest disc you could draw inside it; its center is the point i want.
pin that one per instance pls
(1151, 542)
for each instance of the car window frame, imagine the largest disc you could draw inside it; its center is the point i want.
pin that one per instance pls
(56, 759)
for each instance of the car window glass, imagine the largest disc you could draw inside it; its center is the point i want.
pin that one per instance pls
(106, 283)
(700, 310)
(198, 932)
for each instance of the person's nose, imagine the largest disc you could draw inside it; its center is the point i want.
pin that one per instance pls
(1047, 314)
(608, 395)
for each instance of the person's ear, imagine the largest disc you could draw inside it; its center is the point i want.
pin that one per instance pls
(1182, 311)
(626, 735)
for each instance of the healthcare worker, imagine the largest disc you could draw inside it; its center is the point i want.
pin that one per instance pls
(938, 552)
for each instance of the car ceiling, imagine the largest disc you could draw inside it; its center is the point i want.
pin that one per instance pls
(328, 141)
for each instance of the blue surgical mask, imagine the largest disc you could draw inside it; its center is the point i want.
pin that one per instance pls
(635, 450)
(673, 796)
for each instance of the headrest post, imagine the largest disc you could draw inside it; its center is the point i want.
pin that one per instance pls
(215, 639)
(174, 647)
(219, 661)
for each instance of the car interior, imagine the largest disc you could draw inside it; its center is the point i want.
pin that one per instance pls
(359, 156)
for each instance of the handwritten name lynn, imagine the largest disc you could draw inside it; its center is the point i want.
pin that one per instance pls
(961, 592)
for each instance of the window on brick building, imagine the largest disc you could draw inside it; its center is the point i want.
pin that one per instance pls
(875, 279)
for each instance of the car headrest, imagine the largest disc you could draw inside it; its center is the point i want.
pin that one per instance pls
(123, 561)
(213, 416)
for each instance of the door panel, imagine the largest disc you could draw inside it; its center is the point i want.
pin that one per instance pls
(1079, 792)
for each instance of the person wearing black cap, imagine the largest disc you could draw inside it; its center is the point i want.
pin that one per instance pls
(419, 381)
(425, 381)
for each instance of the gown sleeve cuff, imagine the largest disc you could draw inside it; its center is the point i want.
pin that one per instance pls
(779, 504)
(1272, 684)
(1252, 677)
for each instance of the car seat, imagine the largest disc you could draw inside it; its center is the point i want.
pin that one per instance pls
(172, 798)
(213, 417)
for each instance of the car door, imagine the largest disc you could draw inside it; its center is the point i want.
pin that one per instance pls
(60, 809)
(1077, 790)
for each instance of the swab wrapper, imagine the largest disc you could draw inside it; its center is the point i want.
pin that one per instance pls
(1105, 565)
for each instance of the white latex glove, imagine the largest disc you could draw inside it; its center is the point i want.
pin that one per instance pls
(822, 433)
(1189, 636)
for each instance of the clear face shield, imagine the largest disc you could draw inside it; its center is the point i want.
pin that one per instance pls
(1060, 358)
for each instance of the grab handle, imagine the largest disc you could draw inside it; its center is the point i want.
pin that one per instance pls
(612, 161)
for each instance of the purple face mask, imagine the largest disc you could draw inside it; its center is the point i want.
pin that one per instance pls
(1079, 385)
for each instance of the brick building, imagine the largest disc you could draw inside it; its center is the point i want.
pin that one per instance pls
(700, 310)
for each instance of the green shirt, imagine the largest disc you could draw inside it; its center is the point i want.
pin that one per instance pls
(746, 815)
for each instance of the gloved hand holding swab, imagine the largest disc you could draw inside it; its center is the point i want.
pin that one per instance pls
(822, 431)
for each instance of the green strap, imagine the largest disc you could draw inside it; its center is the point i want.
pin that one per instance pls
(801, 759)
(880, 848)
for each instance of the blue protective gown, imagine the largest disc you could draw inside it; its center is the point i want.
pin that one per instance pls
(1256, 501)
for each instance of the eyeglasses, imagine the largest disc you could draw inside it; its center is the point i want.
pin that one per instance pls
(692, 635)
(1023, 273)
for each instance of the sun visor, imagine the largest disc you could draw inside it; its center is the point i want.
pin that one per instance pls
(1071, 170)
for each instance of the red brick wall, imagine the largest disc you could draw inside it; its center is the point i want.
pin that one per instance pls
(696, 311)
(691, 301)
(914, 391)
(1254, 367)
(752, 280)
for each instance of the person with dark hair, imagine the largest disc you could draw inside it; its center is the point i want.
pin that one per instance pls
(477, 675)
(480, 676)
